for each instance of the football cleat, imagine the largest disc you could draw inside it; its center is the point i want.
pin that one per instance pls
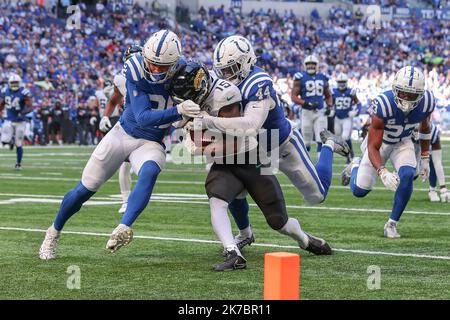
(317, 246)
(233, 261)
(390, 230)
(241, 242)
(123, 208)
(48, 247)
(339, 145)
(445, 195)
(18, 166)
(121, 236)
(347, 173)
(433, 195)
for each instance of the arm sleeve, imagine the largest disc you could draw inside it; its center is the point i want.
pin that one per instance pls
(254, 117)
(144, 114)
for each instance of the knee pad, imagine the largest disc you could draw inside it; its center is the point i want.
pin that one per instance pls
(149, 169)
(357, 191)
(276, 221)
(406, 173)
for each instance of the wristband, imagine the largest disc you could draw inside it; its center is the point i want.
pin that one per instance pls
(425, 136)
(380, 168)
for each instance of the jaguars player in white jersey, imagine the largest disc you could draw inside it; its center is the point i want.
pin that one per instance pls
(394, 115)
(227, 179)
(234, 60)
(312, 92)
(437, 174)
(17, 101)
(116, 93)
(137, 138)
(346, 107)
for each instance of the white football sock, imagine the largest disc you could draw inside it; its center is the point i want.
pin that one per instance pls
(221, 223)
(292, 229)
(125, 180)
(246, 233)
(390, 221)
(436, 157)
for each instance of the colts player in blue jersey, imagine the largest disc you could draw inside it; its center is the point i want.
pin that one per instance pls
(234, 60)
(16, 99)
(311, 91)
(137, 137)
(346, 107)
(394, 115)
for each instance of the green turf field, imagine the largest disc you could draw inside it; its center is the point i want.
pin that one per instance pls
(167, 260)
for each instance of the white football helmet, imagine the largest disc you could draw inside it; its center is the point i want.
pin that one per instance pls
(342, 81)
(311, 64)
(15, 82)
(163, 48)
(233, 59)
(408, 88)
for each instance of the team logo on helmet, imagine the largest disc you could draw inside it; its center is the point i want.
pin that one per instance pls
(199, 78)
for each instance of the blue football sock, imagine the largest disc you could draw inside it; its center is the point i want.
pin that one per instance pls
(357, 191)
(19, 152)
(319, 147)
(349, 142)
(404, 191)
(239, 211)
(433, 177)
(140, 196)
(324, 167)
(71, 204)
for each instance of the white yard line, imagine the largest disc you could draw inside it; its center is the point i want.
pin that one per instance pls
(186, 198)
(264, 245)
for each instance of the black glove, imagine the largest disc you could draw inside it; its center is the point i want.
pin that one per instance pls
(310, 105)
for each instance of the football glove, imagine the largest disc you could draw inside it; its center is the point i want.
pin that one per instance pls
(390, 180)
(189, 109)
(105, 124)
(352, 113)
(424, 168)
(310, 105)
(330, 112)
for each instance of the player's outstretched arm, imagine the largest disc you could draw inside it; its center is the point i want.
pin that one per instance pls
(295, 93)
(374, 141)
(425, 138)
(255, 115)
(144, 114)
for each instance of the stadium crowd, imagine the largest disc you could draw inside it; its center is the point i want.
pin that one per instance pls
(64, 67)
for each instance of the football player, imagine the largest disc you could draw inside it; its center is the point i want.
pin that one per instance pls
(234, 60)
(311, 91)
(17, 100)
(346, 107)
(394, 115)
(115, 94)
(137, 137)
(436, 168)
(225, 181)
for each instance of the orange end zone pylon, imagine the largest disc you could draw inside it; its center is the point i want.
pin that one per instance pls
(281, 276)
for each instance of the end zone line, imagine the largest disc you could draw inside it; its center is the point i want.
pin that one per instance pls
(265, 245)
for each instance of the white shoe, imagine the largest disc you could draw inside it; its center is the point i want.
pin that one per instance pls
(121, 236)
(48, 247)
(445, 195)
(390, 230)
(123, 208)
(433, 195)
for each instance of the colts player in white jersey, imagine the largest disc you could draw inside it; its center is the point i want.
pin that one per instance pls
(346, 107)
(228, 176)
(137, 138)
(234, 60)
(437, 174)
(116, 94)
(394, 115)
